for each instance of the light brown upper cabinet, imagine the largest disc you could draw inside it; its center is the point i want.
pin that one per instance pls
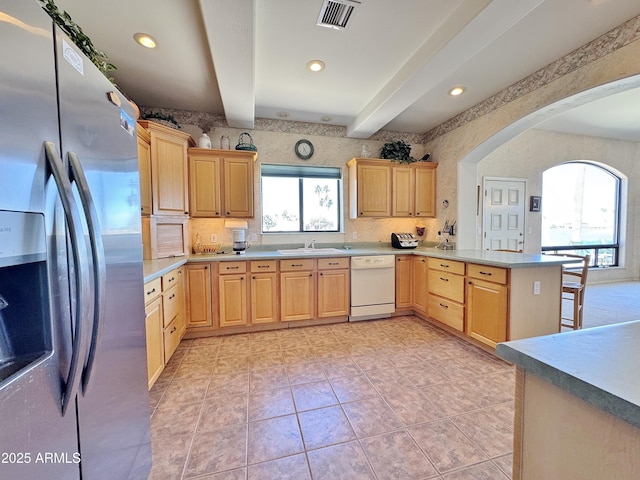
(144, 167)
(381, 188)
(221, 182)
(169, 179)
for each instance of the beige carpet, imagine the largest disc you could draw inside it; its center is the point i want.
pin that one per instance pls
(611, 303)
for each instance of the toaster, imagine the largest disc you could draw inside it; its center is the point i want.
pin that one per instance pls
(403, 240)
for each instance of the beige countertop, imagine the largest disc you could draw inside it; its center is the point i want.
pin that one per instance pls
(156, 268)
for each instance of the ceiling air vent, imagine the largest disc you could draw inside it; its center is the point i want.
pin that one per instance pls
(336, 13)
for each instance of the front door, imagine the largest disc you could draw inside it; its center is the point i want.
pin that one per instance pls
(503, 214)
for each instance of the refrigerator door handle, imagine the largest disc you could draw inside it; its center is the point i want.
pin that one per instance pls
(80, 259)
(99, 262)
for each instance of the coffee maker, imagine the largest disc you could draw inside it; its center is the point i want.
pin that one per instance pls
(239, 242)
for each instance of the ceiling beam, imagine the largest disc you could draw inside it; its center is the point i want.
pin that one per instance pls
(230, 28)
(469, 29)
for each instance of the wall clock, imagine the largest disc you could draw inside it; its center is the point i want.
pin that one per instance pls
(304, 149)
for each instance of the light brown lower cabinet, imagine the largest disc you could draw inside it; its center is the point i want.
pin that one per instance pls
(477, 300)
(445, 301)
(164, 320)
(420, 282)
(233, 300)
(155, 343)
(264, 292)
(487, 308)
(297, 289)
(404, 281)
(311, 288)
(199, 295)
(333, 287)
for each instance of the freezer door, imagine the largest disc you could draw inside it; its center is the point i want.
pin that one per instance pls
(99, 140)
(36, 440)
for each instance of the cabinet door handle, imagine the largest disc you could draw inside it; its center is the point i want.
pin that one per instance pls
(173, 329)
(263, 266)
(232, 268)
(171, 279)
(485, 273)
(228, 213)
(206, 267)
(151, 291)
(444, 279)
(444, 306)
(334, 263)
(296, 264)
(172, 296)
(417, 213)
(443, 265)
(321, 274)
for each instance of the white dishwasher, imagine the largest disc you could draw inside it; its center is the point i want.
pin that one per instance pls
(373, 287)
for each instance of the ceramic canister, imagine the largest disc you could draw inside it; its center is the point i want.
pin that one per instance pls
(204, 141)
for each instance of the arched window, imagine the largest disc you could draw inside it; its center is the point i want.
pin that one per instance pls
(581, 212)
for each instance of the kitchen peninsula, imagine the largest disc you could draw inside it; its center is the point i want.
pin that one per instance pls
(577, 404)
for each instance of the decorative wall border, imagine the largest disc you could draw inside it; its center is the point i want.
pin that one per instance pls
(611, 41)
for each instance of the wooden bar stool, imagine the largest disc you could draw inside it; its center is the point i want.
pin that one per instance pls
(574, 284)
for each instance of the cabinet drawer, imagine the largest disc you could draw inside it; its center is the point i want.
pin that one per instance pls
(446, 311)
(297, 264)
(446, 265)
(171, 340)
(152, 290)
(170, 279)
(446, 285)
(330, 263)
(233, 267)
(264, 266)
(170, 304)
(484, 272)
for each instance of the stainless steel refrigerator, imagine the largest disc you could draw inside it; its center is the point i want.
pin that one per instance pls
(73, 386)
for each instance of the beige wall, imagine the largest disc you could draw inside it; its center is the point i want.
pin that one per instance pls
(604, 66)
(534, 151)
(277, 148)
(460, 150)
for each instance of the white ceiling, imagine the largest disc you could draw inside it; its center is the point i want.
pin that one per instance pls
(390, 69)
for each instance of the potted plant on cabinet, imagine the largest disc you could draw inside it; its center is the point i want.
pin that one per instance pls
(397, 151)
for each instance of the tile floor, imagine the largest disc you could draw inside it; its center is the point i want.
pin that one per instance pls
(385, 399)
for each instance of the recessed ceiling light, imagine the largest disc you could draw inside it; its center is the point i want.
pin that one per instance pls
(315, 65)
(455, 91)
(326, 118)
(283, 114)
(145, 40)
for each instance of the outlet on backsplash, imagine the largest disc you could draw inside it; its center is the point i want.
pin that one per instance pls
(214, 238)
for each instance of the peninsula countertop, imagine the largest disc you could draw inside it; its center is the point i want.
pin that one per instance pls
(158, 267)
(599, 365)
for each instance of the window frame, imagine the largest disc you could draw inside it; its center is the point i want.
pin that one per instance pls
(302, 172)
(595, 250)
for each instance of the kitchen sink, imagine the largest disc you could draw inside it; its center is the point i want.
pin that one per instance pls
(310, 251)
